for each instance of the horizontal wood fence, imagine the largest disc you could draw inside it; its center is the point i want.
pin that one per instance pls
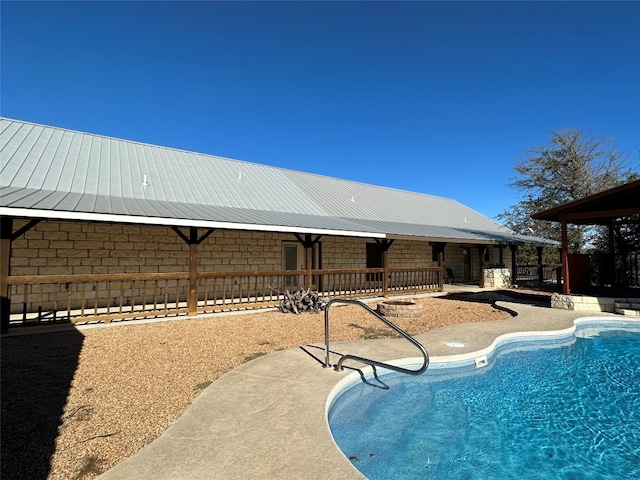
(44, 299)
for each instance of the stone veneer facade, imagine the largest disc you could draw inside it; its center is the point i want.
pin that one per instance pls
(73, 248)
(78, 248)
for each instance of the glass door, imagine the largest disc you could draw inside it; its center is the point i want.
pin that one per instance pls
(293, 258)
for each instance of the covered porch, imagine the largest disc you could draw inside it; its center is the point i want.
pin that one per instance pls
(103, 279)
(605, 281)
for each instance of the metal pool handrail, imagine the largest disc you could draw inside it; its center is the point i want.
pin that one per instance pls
(338, 367)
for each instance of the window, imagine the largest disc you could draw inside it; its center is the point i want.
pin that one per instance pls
(497, 256)
(436, 249)
(374, 260)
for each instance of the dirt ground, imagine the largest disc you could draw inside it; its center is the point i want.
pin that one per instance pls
(78, 402)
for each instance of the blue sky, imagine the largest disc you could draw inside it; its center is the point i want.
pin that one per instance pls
(435, 97)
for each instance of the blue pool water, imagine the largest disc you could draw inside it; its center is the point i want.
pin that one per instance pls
(568, 410)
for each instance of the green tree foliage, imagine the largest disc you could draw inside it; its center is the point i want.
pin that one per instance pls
(572, 166)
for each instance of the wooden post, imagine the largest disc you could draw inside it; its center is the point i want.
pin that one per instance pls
(193, 241)
(481, 250)
(610, 266)
(385, 245)
(540, 268)
(565, 258)
(192, 298)
(514, 265)
(308, 250)
(441, 274)
(385, 273)
(6, 232)
(308, 243)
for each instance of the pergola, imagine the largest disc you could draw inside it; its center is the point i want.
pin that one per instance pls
(604, 208)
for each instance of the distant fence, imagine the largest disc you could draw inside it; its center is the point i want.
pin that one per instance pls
(535, 273)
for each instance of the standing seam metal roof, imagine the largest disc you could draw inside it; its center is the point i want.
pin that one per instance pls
(47, 169)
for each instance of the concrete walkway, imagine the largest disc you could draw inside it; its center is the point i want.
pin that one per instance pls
(266, 419)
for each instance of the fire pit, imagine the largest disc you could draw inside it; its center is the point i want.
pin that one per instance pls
(399, 308)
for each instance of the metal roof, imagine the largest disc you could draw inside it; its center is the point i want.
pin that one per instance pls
(600, 208)
(49, 172)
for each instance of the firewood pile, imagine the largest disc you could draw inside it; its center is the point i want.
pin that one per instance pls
(302, 301)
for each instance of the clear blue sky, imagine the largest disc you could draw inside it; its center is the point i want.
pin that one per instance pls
(435, 97)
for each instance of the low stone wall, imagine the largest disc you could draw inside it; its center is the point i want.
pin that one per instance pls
(582, 303)
(399, 308)
(497, 277)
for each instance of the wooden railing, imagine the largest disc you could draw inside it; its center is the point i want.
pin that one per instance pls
(531, 273)
(41, 299)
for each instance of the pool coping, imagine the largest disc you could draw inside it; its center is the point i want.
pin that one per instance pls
(267, 418)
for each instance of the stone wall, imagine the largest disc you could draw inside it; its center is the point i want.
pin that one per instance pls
(76, 248)
(70, 248)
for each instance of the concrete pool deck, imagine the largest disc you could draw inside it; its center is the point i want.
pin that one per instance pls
(266, 418)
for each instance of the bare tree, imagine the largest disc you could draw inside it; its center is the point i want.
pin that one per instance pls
(572, 166)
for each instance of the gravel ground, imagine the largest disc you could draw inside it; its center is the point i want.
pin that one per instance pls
(76, 403)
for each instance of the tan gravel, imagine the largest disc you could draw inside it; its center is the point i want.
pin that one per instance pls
(129, 383)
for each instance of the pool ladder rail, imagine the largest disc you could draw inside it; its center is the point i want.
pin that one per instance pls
(373, 363)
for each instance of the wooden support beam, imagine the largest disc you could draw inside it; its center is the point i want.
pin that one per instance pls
(192, 298)
(437, 249)
(514, 264)
(6, 234)
(566, 289)
(308, 243)
(385, 273)
(193, 237)
(385, 245)
(25, 228)
(540, 268)
(308, 251)
(481, 250)
(441, 267)
(193, 240)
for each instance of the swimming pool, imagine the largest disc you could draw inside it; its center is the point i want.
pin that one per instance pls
(564, 407)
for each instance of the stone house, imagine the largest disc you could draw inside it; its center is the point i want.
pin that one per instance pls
(97, 228)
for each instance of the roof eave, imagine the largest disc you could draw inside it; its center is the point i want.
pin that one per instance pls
(178, 222)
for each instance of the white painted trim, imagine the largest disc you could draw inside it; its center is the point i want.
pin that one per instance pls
(177, 222)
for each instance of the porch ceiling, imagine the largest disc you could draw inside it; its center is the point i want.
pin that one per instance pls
(83, 207)
(597, 209)
(24, 203)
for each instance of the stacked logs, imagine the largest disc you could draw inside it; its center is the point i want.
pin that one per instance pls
(302, 301)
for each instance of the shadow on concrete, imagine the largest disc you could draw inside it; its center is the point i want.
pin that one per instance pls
(37, 370)
(380, 384)
(492, 296)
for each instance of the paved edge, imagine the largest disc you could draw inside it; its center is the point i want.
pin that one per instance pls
(267, 418)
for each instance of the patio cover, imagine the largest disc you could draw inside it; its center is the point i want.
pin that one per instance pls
(599, 209)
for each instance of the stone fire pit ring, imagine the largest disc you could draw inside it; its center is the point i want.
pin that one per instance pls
(399, 308)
